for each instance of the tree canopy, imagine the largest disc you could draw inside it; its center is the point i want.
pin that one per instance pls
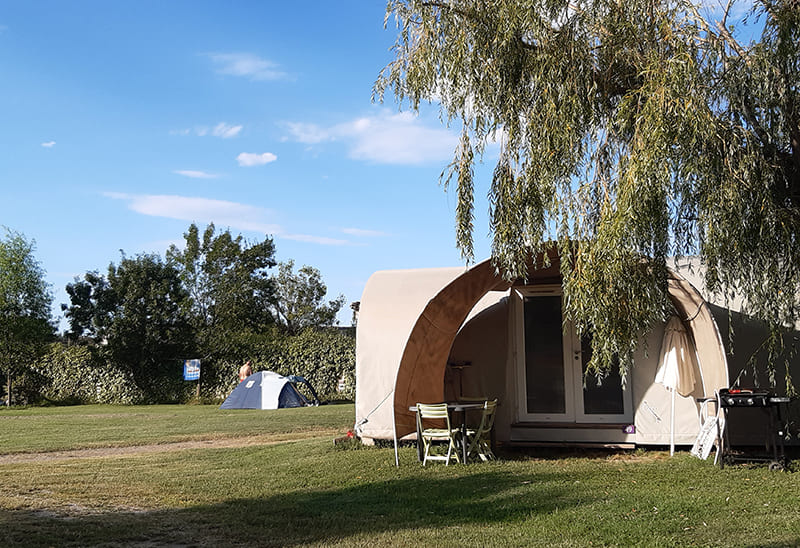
(215, 299)
(299, 300)
(25, 300)
(230, 288)
(627, 130)
(136, 316)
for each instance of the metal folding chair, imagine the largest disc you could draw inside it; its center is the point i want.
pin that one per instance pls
(433, 435)
(480, 438)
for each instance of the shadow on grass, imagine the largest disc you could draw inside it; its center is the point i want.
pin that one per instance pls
(328, 516)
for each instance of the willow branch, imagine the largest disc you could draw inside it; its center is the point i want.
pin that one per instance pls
(726, 36)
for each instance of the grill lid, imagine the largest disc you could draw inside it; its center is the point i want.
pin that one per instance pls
(745, 397)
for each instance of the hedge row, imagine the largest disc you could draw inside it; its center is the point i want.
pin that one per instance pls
(74, 374)
(321, 357)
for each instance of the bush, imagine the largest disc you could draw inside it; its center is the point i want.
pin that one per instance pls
(217, 380)
(321, 356)
(26, 387)
(72, 374)
(75, 374)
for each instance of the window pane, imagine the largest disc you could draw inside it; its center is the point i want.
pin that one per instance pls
(605, 398)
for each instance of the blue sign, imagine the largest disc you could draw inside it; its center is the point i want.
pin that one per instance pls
(191, 370)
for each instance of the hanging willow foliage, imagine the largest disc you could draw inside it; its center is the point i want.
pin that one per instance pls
(628, 129)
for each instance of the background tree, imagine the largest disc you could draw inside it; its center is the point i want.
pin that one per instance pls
(91, 310)
(299, 299)
(627, 130)
(150, 333)
(136, 316)
(25, 300)
(215, 300)
(230, 290)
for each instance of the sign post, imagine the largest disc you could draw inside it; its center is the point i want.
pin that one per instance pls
(191, 372)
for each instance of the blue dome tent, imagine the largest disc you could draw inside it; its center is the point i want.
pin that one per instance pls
(268, 390)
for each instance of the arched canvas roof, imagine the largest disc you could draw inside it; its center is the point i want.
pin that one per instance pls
(391, 303)
(419, 377)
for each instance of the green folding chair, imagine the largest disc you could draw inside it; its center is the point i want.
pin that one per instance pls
(472, 416)
(480, 439)
(433, 435)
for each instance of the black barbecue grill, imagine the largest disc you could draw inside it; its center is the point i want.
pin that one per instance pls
(747, 397)
(754, 398)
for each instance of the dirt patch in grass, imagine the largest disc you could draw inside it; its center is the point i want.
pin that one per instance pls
(640, 456)
(105, 452)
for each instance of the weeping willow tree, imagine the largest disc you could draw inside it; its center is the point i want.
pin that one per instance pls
(629, 131)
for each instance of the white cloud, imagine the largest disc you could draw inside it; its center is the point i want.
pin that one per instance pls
(222, 213)
(223, 130)
(201, 210)
(309, 134)
(247, 65)
(384, 139)
(195, 174)
(49, 144)
(322, 240)
(226, 131)
(364, 232)
(250, 159)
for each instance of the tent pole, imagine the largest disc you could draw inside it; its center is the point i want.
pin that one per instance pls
(394, 431)
(672, 426)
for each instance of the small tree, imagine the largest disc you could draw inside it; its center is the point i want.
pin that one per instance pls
(25, 300)
(136, 317)
(299, 299)
(90, 312)
(230, 290)
(150, 332)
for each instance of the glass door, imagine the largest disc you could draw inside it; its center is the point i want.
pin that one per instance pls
(552, 363)
(601, 400)
(547, 392)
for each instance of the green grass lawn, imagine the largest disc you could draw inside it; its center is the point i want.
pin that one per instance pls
(63, 428)
(292, 487)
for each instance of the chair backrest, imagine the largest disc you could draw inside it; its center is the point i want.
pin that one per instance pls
(472, 399)
(433, 411)
(487, 419)
(473, 416)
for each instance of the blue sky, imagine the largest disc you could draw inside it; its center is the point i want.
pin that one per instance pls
(122, 123)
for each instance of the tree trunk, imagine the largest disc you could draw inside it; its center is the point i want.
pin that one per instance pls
(8, 389)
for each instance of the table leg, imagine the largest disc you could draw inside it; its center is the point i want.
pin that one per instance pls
(420, 456)
(464, 436)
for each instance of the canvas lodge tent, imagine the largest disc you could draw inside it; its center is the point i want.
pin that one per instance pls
(433, 335)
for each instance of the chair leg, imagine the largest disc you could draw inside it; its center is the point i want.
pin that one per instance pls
(489, 452)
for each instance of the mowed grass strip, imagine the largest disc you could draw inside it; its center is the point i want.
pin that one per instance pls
(310, 493)
(91, 426)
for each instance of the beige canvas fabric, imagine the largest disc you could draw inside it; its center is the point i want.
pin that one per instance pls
(391, 303)
(678, 363)
(409, 320)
